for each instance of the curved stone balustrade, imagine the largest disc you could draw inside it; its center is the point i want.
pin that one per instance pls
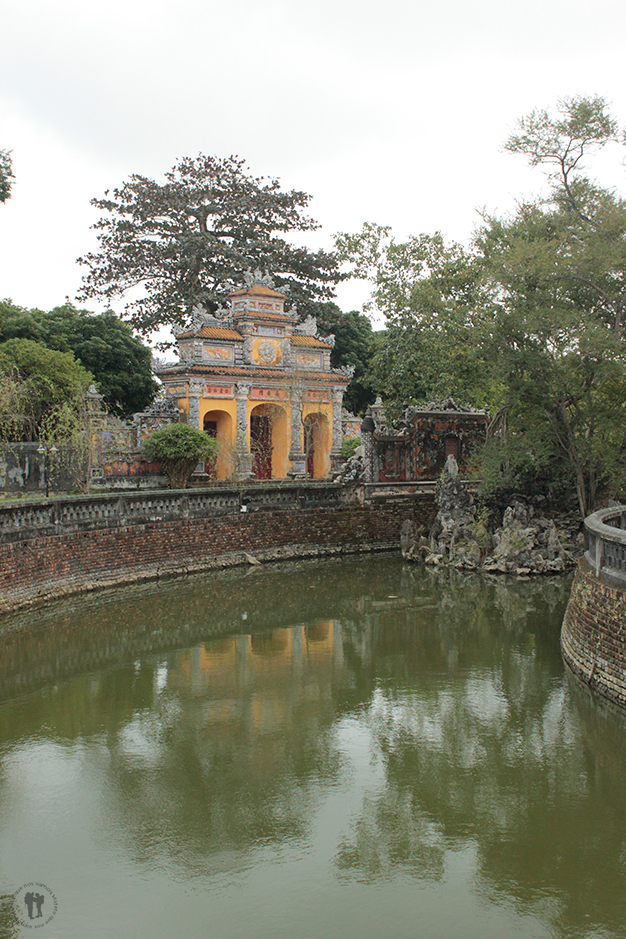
(605, 534)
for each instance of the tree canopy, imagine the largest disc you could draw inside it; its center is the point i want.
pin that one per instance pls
(119, 361)
(191, 239)
(431, 295)
(34, 383)
(530, 318)
(557, 271)
(354, 345)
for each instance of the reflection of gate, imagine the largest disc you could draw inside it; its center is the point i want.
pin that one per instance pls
(309, 449)
(261, 446)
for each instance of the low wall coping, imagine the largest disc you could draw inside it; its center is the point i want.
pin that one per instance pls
(24, 519)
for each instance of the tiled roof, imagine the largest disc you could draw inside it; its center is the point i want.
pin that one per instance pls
(257, 290)
(213, 332)
(309, 341)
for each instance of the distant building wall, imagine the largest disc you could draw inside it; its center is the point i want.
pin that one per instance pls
(23, 469)
(418, 447)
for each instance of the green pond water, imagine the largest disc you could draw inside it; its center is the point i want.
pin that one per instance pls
(345, 748)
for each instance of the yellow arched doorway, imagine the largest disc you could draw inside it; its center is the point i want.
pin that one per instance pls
(219, 424)
(317, 445)
(269, 441)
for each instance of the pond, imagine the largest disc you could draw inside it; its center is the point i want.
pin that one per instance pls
(341, 748)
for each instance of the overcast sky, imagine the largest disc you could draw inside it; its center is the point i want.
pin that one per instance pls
(393, 112)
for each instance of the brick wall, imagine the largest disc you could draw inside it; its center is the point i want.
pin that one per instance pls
(100, 549)
(593, 637)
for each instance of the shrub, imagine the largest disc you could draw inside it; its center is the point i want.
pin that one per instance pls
(179, 448)
(349, 445)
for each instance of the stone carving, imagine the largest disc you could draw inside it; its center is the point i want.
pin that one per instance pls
(268, 352)
(353, 470)
(164, 410)
(200, 318)
(258, 279)
(451, 468)
(445, 404)
(222, 312)
(337, 424)
(306, 328)
(242, 390)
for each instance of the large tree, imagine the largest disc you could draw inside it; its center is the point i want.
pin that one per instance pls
(431, 296)
(190, 239)
(557, 272)
(119, 361)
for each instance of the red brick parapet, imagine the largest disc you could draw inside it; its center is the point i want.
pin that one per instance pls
(57, 547)
(593, 636)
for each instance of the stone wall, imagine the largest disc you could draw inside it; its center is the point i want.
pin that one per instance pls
(593, 638)
(51, 548)
(23, 469)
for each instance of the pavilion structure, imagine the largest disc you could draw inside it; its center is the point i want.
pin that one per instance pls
(260, 382)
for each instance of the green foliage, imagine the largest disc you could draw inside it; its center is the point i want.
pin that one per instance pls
(34, 382)
(555, 334)
(6, 175)
(354, 345)
(481, 528)
(531, 320)
(432, 297)
(524, 461)
(120, 363)
(179, 448)
(190, 240)
(349, 445)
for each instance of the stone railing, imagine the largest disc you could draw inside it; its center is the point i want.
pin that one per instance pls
(23, 520)
(375, 491)
(605, 536)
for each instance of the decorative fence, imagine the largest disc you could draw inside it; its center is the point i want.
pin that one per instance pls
(605, 536)
(20, 521)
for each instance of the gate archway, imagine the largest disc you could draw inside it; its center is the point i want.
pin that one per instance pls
(269, 444)
(219, 424)
(316, 445)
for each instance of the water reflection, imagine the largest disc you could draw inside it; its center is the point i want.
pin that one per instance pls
(365, 724)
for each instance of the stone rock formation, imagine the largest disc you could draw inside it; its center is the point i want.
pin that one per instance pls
(353, 469)
(464, 535)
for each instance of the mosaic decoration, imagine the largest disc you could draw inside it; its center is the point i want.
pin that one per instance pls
(267, 352)
(218, 353)
(305, 360)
